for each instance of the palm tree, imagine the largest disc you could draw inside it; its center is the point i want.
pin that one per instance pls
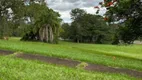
(50, 24)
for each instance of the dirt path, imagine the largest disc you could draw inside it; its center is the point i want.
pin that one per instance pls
(52, 60)
(5, 52)
(72, 63)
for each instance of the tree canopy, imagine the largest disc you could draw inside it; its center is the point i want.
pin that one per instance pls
(11, 11)
(128, 13)
(86, 28)
(31, 18)
(44, 23)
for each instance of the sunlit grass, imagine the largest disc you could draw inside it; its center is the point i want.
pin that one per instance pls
(18, 69)
(131, 51)
(126, 56)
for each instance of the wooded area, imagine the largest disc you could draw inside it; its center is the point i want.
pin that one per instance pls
(33, 20)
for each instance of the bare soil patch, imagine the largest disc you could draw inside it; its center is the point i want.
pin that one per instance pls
(101, 68)
(5, 52)
(52, 60)
(72, 63)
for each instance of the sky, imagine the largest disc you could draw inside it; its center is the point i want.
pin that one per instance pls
(64, 7)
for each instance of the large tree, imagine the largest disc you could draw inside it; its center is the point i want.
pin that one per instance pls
(76, 15)
(128, 13)
(29, 17)
(11, 11)
(44, 23)
(87, 28)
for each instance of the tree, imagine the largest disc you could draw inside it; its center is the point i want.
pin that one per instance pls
(66, 31)
(128, 13)
(94, 29)
(44, 23)
(87, 28)
(76, 14)
(11, 11)
(37, 21)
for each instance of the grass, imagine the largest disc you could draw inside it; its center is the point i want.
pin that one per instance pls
(12, 68)
(116, 56)
(130, 51)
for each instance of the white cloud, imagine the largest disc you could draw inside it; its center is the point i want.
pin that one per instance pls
(65, 6)
(90, 10)
(65, 16)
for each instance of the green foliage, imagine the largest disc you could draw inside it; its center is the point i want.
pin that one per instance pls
(11, 11)
(65, 33)
(4, 28)
(42, 21)
(77, 13)
(115, 40)
(27, 18)
(87, 28)
(130, 11)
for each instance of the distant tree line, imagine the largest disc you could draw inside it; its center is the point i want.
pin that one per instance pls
(34, 21)
(87, 28)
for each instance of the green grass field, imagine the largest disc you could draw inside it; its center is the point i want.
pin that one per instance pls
(12, 68)
(126, 56)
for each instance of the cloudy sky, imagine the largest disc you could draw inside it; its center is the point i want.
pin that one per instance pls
(65, 6)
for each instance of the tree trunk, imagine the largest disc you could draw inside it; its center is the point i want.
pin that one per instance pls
(51, 34)
(46, 33)
(41, 34)
(56, 34)
(78, 40)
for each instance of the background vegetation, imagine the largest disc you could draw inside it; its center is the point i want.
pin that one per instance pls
(34, 21)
